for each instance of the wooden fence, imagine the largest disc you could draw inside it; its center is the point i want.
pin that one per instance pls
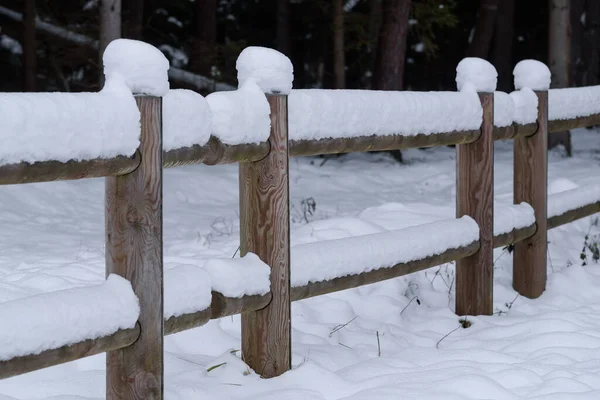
(134, 242)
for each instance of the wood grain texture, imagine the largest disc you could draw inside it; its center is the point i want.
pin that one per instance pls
(378, 143)
(221, 306)
(531, 186)
(21, 365)
(215, 152)
(514, 236)
(134, 251)
(48, 171)
(475, 198)
(265, 231)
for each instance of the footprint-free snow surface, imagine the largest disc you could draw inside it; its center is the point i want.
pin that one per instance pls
(393, 340)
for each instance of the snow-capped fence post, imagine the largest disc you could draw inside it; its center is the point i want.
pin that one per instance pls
(475, 192)
(264, 216)
(531, 183)
(134, 225)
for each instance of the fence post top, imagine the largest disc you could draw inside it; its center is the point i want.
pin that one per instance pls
(532, 74)
(476, 73)
(271, 70)
(137, 65)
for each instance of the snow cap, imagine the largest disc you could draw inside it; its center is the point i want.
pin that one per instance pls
(532, 74)
(141, 67)
(477, 73)
(271, 70)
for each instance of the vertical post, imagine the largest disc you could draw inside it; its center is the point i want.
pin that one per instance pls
(531, 186)
(134, 251)
(475, 198)
(265, 231)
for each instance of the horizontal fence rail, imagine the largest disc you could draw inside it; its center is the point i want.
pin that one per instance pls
(215, 152)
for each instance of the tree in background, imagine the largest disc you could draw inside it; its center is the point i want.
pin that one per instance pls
(503, 44)
(484, 29)
(204, 43)
(391, 46)
(110, 23)
(559, 58)
(29, 46)
(339, 59)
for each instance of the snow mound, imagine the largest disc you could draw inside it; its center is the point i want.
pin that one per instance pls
(186, 119)
(510, 217)
(68, 126)
(319, 114)
(532, 74)
(56, 319)
(271, 70)
(570, 103)
(240, 116)
(187, 290)
(238, 277)
(561, 185)
(476, 73)
(568, 200)
(322, 261)
(140, 66)
(526, 103)
(504, 109)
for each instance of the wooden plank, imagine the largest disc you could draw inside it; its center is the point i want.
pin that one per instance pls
(33, 362)
(574, 123)
(134, 251)
(48, 171)
(265, 231)
(215, 152)
(221, 306)
(514, 236)
(378, 143)
(573, 215)
(475, 198)
(531, 186)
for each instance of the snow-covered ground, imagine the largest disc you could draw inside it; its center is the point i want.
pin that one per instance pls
(383, 341)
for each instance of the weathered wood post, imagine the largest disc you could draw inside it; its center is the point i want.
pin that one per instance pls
(475, 192)
(134, 246)
(265, 220)
(531, 183)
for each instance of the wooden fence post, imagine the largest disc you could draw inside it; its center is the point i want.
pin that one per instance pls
(475, 198)
(134, 250)
(265, 231)
(531, 186)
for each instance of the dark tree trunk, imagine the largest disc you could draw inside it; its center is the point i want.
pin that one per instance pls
(391, 48)
(503, 44)
(484, 29)
(591, 44)
(374, 24)
(110, 28)
(203, 55)
(559, 55)
(135, 22)
(283, 26)
(110, 23)
(577, 28)
(29, 47)
(339, 59)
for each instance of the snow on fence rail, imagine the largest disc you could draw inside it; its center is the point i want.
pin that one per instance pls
(130, 145)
